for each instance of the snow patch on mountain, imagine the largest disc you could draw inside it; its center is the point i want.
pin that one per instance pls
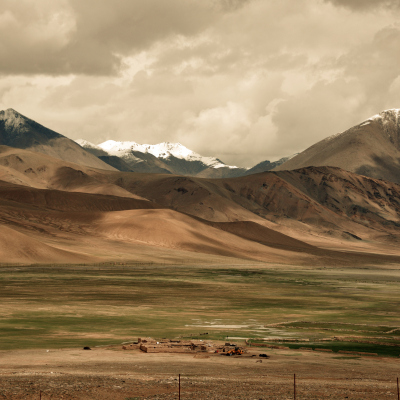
(162, 150)
(14, 120)
(86, 144)
(385, 117)
(333, 136)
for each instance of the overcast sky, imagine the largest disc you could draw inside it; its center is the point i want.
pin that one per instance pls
(243, 80)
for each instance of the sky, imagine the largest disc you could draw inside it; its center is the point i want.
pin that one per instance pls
(241, 80)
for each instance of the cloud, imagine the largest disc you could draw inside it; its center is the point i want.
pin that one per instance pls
(241, 80)
(33, 33)
(365, 4)
(375, 63)
(325, 109)
(86, 37)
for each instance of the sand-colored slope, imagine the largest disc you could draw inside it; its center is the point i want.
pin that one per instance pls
(16, 247)
(37, 170)
(38, 235)
(324, 200)
(170, 229)
(79, 222)
(69, 201)
(328, 201)
(51, 226)
(250, 230)
(211, 199)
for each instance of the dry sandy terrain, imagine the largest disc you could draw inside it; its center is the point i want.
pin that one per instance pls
(119, 375)
(106, 216)
(60, 212)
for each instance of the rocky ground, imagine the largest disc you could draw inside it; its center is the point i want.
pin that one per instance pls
(102, 374)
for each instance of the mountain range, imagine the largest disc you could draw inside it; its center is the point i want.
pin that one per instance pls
(61, 202)
(169, 158)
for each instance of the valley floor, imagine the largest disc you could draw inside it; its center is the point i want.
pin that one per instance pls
(126, 375)
(50, 312)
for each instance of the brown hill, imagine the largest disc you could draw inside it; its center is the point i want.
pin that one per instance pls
(323, 200)
(371, 148)
(43, 226)
(267, 216)
(33, 169)
(205, 198)
(54, 226)
(70, 202)
(17, 247)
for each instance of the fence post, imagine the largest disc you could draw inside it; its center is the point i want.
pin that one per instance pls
(294, 386)
(179, 386)
(398, 392)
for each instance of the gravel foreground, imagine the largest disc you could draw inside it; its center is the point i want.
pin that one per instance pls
(103, 374)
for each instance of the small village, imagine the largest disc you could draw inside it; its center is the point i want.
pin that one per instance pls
(150, 345)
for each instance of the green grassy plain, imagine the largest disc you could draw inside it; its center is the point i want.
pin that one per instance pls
(64, 306)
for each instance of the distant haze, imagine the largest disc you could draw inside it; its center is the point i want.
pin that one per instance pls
(241, 80)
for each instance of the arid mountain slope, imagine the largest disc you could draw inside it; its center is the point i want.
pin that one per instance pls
(29, 168)
(46, 226)
(78, 227)
(17, 247)
(74, 213)
(324, 199)
(205, 198)
(21, 132)
(371, 148)
(266, 166)
(69, 202)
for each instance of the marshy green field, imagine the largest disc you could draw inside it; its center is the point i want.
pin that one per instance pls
(354, 309)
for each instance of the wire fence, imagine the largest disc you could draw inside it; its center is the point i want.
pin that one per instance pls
(189, 392)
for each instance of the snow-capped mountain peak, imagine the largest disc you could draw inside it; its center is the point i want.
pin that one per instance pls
(13, 119)
(386, 115)
(161, 150)
(86, 144)
(387, 118)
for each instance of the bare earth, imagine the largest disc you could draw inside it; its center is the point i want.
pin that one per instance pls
(110, 373)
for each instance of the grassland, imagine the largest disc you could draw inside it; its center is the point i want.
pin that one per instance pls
(64, 306)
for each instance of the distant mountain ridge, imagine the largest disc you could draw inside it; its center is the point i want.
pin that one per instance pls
(371, 148)
(170, 158)
(19, 131)
(265, 166)
(162, 150)
(166, 157)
